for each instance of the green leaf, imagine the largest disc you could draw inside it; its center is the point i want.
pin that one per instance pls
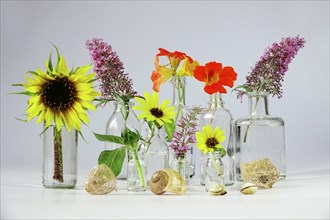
(169, 128)
(50, 64)
(23, 120)
(23, 93)
(58, 57)
(18, 84)
(109, 138)
(113, 159)
(222, 152)
(247, 89)
(130, 137)
(33, 73)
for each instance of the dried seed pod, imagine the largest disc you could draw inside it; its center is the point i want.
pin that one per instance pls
(167, 180)
(101, 180)
(249, 188)
(218, 191)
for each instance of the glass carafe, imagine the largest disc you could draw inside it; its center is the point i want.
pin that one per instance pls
(259, 137)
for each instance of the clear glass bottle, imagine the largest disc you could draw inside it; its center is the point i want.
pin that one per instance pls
(136, 171)
(179, 102)
(59, 158)
(182, 166)
(115, 126)
(214, 172)
(156, 153)
(259, 136)
(217, 115)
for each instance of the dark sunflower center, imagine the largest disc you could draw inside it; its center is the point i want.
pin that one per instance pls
(59, 93)
(158, 113)
(211, 142)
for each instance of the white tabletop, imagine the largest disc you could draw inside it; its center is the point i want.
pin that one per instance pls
(300, 196)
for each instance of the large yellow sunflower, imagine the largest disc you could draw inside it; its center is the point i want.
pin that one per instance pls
(210, 140)
(60, 96)
(151, 111)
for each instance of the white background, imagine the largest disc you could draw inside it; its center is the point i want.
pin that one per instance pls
(234, 33)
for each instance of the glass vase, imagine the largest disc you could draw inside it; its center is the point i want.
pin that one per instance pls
(259, 138)
(59, 158)
(182, 166)
(116, 124)
(156, 151)
(179, 102)
(136, 171)
(217, 115)
(214, 172)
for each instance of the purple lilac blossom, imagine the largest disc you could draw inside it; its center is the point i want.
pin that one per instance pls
(109, 69)
(268, 73)
(185, 135)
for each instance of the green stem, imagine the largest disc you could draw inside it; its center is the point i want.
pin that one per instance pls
(58, 158)
(214, 96)
(252, 114)
(180, 166)
(215, 164)
(180, 90)
(138, 167)
(148, 142)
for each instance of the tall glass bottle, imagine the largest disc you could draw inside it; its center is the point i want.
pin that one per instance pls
(259, 136)
(179, 102)
(117, 123)
(217, 115)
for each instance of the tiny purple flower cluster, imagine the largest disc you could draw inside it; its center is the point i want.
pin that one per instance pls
(109, 68)
(268, 73)
(186, 135)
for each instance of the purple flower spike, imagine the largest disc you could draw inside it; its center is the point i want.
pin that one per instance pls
(185, 136)
(110, 70)
(268, 73)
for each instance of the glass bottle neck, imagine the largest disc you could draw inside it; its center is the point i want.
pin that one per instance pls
(214, 154)
(179, 93)
(124, 109)
(216, 100)
(258, 105)
(119, 105)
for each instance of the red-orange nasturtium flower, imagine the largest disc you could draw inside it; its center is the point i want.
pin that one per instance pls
(215, 77)
(162, 73)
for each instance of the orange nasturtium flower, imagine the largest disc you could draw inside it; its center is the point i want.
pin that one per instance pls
(162, 73)
(215, 77)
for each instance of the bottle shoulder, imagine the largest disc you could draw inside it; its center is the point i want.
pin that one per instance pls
(267, 120)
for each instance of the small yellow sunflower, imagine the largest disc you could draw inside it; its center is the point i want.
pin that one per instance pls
(151, 111)
(60, 96)
(209, 140)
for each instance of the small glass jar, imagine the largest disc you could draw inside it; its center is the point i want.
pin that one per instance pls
(136, 171)
(118, 121)
(214, 172)
(59, 158)
(182, 166)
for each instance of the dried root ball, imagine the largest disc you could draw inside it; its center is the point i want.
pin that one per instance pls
(158, 182)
